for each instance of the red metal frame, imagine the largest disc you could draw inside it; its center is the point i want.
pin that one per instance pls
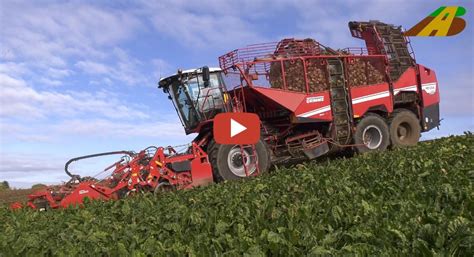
(252, 64)
(128, 178)
(259, 67)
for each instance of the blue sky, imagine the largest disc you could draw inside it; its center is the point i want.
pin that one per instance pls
(79, 77)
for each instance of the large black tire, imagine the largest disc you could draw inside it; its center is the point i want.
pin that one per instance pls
(405, 129)
(371, 134)
(221, 155)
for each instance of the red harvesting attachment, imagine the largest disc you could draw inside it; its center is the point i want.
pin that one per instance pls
(154, 169)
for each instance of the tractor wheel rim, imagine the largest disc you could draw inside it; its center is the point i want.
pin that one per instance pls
(372, 137)
(404, 131)
(235, 161)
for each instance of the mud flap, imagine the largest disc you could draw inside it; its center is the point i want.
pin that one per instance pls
(430, 117)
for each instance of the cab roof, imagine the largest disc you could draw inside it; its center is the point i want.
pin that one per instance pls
(211, 69)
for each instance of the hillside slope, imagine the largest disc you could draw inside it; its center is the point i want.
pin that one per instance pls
(416, 201)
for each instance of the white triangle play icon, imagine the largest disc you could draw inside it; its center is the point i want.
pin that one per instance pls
(236, 128)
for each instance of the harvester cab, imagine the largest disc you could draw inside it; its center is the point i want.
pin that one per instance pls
(198, 95)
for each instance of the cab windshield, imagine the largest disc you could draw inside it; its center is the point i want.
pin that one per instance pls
(195, 102)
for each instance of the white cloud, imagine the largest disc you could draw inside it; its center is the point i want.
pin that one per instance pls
(13, 68)
(19, 100)
(50, 82)
(326, 21)
(28, 179)
(90, 129)
(58, 30)
(125, 69)
(54, 39)
(111, 129)
(16, 167)
(101, 82)
(27, 114)
(207, 24)
(24, 170)
(161, 68)
(93, 67)
(18, 162)
(59, 73)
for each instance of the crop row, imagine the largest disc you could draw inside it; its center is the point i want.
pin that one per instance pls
(415, 202)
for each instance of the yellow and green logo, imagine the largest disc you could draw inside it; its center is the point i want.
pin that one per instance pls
(442, 22)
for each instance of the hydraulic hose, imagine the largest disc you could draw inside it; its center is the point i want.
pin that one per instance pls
(66, 166)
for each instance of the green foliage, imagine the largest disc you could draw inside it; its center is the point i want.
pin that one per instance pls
(405, 202)
(4, 185)
(38, 186)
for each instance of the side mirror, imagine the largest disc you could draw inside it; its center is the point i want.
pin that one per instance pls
(206, 75)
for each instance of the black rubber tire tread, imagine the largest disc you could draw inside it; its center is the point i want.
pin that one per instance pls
(212, 154)
(218, 157)
(407, 116)
(367, 120)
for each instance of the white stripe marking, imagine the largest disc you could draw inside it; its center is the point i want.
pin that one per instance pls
(430, 88)
(426, 86)
(362, 99)
(315, 111)
(409, 88)
(371, 97)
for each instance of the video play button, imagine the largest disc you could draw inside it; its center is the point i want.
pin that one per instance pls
(236, 128)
